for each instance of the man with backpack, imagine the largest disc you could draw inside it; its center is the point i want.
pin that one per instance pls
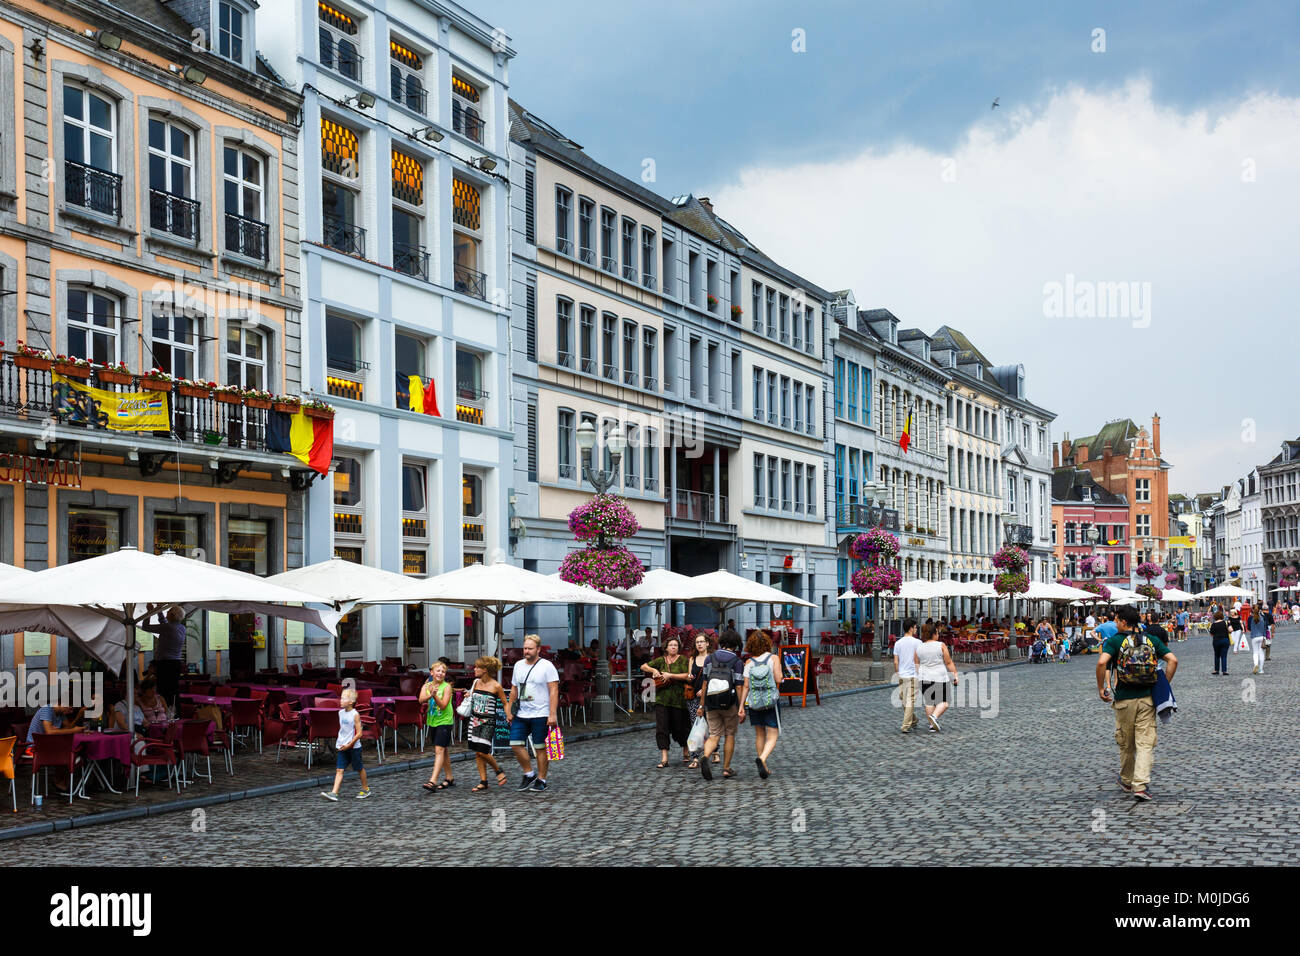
(723, 674)
(1134, 655)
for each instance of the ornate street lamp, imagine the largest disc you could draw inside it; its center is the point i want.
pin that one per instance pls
(602, 706)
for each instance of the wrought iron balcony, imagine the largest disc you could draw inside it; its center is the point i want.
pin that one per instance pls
(696, 506)
(466, 121)
(411, 260)
(469, 282)
(609, 264)
(588, 256)
(178, 215)
(860, 517)
(566, 471)
(564, 245)
(91, 188)
(247, 237)
(345, 236)
(648, 282)
(629, 273)
(342, 58)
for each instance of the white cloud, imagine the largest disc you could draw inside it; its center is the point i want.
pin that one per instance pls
(1106, 186)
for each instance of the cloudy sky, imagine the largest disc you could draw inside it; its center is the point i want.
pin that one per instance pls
(1123, 224)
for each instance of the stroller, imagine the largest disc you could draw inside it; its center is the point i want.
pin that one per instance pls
(1038, 651)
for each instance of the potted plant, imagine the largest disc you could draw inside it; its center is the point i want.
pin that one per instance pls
(229, 394)
(908, 527)
(713, 302)
(194, 388)
(257, 398)
(108, 374)
(736, 313)
(318, 409)
(33, 358)
(287, 403)
(71, 367)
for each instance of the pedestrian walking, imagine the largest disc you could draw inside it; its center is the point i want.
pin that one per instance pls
(905, 667)
(933, 665)
(671, 672)
(437, 694)
(761, 697)
(705, 644)
(347, 747)
(534, 698)
(723, 674)
(1269, 620)
(1221, 640)
(1134, 654)
(487, 705)
(1258, 634)
(1237, 634)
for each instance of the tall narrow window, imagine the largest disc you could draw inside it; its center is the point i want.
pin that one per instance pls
(245, 357)
(174, 345)
(629, 249)
(649, 359)
(609, 345)
(810, 410)
(608, 251)
(784, 314)
(244, 192)
(338, 42)
(467, 232)
(839, 387)
(409, 254)
(466, 109)
(90, 151)
(629, 353)
(587, 340)
(756, 306)
(758, 394)
(798, 488)
(171, 179)
(340, 188)
(651, 452)
(811, 478)
(230, 31)
(564, 220)
(647, 257)
(760, 500)
(564, 446)
(406, 78)
(564, 332)
(798, 406)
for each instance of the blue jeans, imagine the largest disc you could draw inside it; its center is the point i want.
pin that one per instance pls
(1221, 656)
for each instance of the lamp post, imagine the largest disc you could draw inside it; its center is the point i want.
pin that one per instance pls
(1008, 538)
(871, 491)
(602, 707)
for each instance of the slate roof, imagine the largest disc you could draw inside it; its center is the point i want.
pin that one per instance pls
(1120, 434)
(1068, 484)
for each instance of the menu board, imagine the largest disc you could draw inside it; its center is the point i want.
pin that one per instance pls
(794, 671)
(218, 631)
(36, 645)
(143, 639)
(294, 632)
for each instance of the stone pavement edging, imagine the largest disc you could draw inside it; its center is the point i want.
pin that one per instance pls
(325, 780)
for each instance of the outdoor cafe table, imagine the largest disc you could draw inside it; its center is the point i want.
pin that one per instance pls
(302, 696)
(95, 747)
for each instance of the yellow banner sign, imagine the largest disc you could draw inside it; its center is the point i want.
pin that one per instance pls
(1184, 541)
(79, 403)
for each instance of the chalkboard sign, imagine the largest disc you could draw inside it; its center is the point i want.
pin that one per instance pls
(794, 671)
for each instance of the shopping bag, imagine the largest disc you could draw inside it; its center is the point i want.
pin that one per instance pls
(699, 733)
(555, 744)
(1243, 644)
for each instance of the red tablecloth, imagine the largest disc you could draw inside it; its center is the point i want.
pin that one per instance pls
(223, 702)
(105, 747)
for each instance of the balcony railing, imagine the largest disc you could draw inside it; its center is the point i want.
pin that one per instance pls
(609, 263)
(861, 516)
(345, 236)
(651, 484)
(92, 188)
(408, 91)
(178, 215)
(588, 256)
(629, 273)
(342, 58)
(247, 237)
(411, 260)
(629, 377)
(566, 471)
(564, 359)
(28, 394)
(563, 245)
(611, 372)
(466, 121)
(588, 365)
(695, 506)
(648, 281)
(469, 282)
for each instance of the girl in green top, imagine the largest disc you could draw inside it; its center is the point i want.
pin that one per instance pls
(437, 692)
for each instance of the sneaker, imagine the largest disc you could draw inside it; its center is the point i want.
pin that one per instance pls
(1126, 787)
(330, 796)
(527, 782)
(539, 786)
(934, 721)
(363, 794)
(933, 730)
(1143, 795)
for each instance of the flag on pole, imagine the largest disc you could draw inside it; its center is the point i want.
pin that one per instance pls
(906, 438)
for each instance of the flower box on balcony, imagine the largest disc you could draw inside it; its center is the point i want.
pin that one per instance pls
(291, 408)
(251, 402)
(314, 411)
(149, 383)
(227, 397)
(194, 391)
(69, 370)
(32, 361)
(107, 376)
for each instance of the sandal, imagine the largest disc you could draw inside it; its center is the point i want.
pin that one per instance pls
(446, 783)
(501, 779)
(430, 786)
(728, 773)
(661, 765)
(693, 765)
(481, 788)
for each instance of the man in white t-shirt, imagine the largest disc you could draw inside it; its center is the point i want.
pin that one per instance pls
(905, 666)
(534, 697)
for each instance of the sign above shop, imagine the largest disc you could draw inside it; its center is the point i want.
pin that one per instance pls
(40, 470)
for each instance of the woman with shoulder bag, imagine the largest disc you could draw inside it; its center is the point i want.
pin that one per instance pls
(483, 705)
(1222, 640)
(704, 645)
(760, 696)
(671, 672)
(1258, 632)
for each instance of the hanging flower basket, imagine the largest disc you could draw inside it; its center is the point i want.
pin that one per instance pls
(1148, 570)
(289, 405)
(1092, 587)
(319, 410)
(1067, 582)
(603, 518)
(1011, 559)
(227, 397)
(876, 543)
(878, 579)
(251, 402)
(1011, 582)
(1171, 580)
(192, 389)
(605, 569)
(1093, 564)
(1148, 591)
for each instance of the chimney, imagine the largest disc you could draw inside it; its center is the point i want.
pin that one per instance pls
(1155, 435)
(1080, 455)
(704, 201)
(1056, 456)
(1065, 448)
(1107, 450)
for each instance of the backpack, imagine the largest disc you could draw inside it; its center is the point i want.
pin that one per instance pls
(1136, 661)
(719, 683)
(762, 685)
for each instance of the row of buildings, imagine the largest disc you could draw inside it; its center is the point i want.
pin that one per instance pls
(342, 201)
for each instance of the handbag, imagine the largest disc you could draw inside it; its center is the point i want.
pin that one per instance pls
(464, 707)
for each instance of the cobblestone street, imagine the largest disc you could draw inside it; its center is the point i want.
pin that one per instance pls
(1031, 782)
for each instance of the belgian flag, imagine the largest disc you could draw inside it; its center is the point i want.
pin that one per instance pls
(310, 440)
(906, 438)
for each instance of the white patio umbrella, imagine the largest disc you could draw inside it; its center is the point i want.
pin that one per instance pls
(722, 590)
(910, 591)
(500, 588)
(343, 584)
(99, 602)
(1052, 591)
(1118, 594)
(1226, 591)
(1175, 594)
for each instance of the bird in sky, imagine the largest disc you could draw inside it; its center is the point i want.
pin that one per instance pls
(995, 102)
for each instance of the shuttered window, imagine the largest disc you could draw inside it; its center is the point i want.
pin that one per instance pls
(530, 318)
(530, 209)
(532, 442)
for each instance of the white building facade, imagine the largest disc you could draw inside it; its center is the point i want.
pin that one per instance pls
(1252, 536)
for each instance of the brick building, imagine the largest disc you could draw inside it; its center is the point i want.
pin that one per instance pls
(1080, 506)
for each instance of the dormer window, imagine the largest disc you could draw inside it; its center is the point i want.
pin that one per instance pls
(234, 28)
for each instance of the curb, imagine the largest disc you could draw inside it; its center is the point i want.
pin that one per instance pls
(194, 803)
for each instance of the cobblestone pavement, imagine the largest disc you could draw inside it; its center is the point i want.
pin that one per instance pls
(1034, 784)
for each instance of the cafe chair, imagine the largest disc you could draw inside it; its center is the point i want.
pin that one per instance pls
(247, 714)
(405, 713)
(321, 725)
(191, 744)
(54, 750)
(7, 766)
(372, 729)
(287, 729)
(825, 668)
(157, 753)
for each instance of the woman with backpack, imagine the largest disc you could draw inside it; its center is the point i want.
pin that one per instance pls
(760, 695)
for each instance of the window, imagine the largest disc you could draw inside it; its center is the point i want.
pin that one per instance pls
(756, 306)
(564, 456)
(854, 463)
(784, 311)
(1142, 491)
(466, 115)
(866, 396)
(470, 394)
(839, 387)
(811, 478)
(758, 394)
(629, 353)
(771, 313)
(171, 179)
(1121, 564)
(647, 257)
(415, 503)
(243, 185)
(629, 249)
(772, 409)
(785, 402)
(1070, 537)
(737, 387)
(608, 261)
(587, 340)
(564, 332)
(94, 325)
(1143, 526)
(174, 345)
(651, 452)
(343, 354)
(798, 406)
(798, 488)
(810, 402)
(340, 179)
(852, 377)
(409, 255)
(90, 151)
(467, 228)
(230, 31)
(773, 489)
(609, 345)
(408, 355)
(471, 496)
(632, 457)
(338, 42)
(808, 344)
(586, 230)
(839, 473)
(649, 360)
(405, 78)
(798, 328)
(245, 357)
(670, 267)
(564, 220)
(785, 485)
(670, 359)
(759, 500)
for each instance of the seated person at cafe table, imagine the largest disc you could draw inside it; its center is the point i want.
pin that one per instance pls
(54, 720)
(151, 704)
